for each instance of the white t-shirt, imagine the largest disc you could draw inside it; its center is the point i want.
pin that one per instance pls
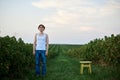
(41, 42)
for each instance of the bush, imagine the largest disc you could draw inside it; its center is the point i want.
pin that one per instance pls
(101, 51)
(15, 58)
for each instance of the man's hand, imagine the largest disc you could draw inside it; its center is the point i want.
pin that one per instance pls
(34, 53)
(46, 53)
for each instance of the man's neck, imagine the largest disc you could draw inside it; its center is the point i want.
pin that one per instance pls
(41, 33)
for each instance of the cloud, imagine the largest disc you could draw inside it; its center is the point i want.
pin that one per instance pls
(59, 3)
(68, 11)
(61, 17)
(81, 17)
(85, 28)
(46, 4)
(111, 7)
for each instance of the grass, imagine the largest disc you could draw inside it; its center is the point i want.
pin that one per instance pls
(65, 68)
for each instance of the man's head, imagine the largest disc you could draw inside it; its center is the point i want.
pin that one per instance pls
(41, 27)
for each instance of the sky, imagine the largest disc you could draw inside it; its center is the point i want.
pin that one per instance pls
(66, 21)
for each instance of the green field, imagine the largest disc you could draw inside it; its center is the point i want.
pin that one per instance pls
(63, 67)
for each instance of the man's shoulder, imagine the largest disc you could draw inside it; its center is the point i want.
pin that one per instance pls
(46, 34)
(36, 34)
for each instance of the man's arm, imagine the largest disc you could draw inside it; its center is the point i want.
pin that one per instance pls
(47, 44)
(34, 44)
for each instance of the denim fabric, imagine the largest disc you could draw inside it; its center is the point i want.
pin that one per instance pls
(40, 58)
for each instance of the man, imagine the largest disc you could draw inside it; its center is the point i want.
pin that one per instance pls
(40, 49)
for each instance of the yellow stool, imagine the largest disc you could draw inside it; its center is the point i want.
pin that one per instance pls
(85, 64)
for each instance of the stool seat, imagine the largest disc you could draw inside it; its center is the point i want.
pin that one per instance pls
(85, 64)
(85, 61)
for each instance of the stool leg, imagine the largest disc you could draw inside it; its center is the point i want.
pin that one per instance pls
(81, 69)
(90, 69)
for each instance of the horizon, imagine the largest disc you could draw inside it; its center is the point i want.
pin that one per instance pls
(63, 43)
(66, 21)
